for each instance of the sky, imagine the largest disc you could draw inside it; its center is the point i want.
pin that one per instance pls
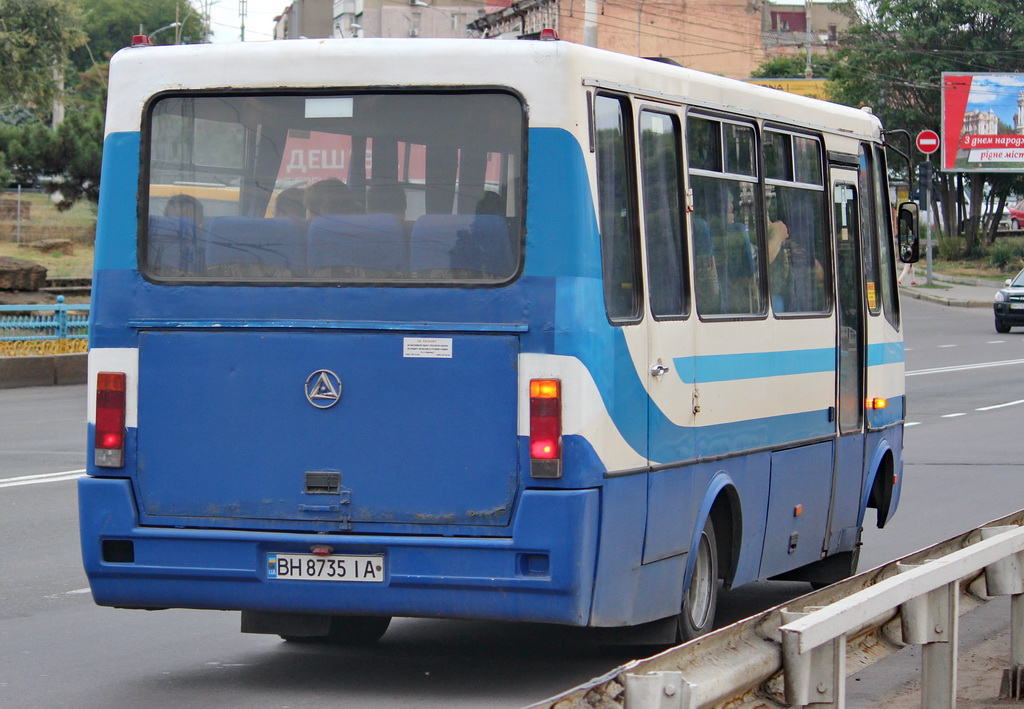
(997, 93)
(259, 20)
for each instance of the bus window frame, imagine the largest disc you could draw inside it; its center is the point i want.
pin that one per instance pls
(676, 116)
(757, 180)
(828, 255)
(627, 114)
(142, 195)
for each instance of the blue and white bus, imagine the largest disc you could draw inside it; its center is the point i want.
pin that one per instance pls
(552, 334)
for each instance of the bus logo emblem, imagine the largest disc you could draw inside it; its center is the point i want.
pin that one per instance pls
(323, 388)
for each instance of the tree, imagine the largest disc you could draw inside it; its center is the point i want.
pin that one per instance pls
(893, 57)
(35, 37)
(111, 24)
(792, 67)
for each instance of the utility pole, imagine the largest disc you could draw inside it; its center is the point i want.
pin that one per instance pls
(808, 71)
(590, 23)
(241, 13)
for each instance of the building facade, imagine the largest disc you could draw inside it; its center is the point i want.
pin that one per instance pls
(726, 37)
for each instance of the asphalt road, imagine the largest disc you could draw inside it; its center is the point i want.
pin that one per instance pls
(57, 649)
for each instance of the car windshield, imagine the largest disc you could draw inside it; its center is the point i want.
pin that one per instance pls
(1018, 282)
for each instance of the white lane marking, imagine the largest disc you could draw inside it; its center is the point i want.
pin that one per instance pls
(1001, 406)
(963, 367)
(952, 416)
(943, 347)
(79, 590)
(44, 478)
(908, 424)
(996, 342)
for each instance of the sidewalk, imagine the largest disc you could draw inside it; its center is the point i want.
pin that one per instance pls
(950, 290)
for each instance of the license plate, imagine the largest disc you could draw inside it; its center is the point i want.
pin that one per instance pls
(1016, 306)
(336, 567)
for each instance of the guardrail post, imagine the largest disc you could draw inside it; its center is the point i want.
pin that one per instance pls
(932, 621)
(1006, 578)
(659, 690)
(816, 678)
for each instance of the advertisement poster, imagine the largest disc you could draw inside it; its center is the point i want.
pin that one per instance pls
(982, 122)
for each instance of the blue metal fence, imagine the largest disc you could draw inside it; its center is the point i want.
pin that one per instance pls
(43, 329)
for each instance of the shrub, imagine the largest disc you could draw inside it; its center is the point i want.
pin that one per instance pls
(952, 248)
(1007, 254)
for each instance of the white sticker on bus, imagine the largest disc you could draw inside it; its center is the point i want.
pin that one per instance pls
(429, 347)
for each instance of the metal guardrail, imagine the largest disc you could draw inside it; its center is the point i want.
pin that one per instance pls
(43, 329)
(799, 653)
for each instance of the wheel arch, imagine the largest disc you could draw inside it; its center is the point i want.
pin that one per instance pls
(880, 487)
(721, 504)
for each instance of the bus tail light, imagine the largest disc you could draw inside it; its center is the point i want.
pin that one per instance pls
(545, 428)
(110, 419)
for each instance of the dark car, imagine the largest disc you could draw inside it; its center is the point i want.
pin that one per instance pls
(1009, 304)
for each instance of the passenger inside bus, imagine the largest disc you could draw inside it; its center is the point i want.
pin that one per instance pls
(778, 257)
(290, 203)
(184, 205)
(330, 196)
(705, 271)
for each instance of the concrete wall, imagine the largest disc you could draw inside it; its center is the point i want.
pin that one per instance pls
(42, 370)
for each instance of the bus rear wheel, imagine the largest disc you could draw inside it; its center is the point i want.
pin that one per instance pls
(701, 599)
(348, 630)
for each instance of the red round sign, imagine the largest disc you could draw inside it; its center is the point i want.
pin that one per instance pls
(927, 141)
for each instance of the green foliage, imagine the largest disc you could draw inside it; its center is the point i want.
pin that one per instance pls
(35, 36)
(111, 24)
(1007, 254)
(952, 248)
(893, 58)
(68, 158)
(792, 67)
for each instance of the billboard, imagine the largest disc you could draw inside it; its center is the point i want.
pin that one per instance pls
(982, 122)
(815, 88)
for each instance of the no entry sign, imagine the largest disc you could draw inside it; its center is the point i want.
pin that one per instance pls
(927, 141)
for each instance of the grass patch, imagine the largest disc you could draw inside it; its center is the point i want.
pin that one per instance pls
(40, 220)
(78, 265)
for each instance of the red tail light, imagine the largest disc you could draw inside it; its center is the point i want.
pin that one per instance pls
(110, 419)
(545, 428)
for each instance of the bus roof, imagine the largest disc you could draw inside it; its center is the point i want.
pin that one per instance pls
(539, 70)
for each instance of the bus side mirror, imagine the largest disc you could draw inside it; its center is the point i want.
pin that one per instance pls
(906, 232)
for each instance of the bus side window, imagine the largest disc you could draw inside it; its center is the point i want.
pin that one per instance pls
(797, 246)
(617, 208)
(723, 177)
(662, 213)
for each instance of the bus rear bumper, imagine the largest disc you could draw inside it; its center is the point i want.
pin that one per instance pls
(544, 572)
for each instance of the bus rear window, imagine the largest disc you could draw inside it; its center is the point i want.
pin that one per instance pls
(396, 188)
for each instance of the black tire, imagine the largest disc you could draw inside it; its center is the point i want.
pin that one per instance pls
(347, 630)
(697, 615)
(1001, 327)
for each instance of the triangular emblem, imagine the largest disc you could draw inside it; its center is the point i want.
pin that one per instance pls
(323, 388)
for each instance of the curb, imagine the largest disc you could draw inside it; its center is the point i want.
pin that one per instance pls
(906, 292)
(43, 370)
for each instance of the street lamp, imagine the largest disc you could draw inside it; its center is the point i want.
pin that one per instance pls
(165, 27)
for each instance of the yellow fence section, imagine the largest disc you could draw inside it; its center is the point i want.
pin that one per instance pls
(21, 348)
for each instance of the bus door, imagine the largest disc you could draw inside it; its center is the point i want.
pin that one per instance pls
(670, 415)
(850, 335)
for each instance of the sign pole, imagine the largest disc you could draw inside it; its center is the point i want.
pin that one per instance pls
(926, 190)
(927, 142)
